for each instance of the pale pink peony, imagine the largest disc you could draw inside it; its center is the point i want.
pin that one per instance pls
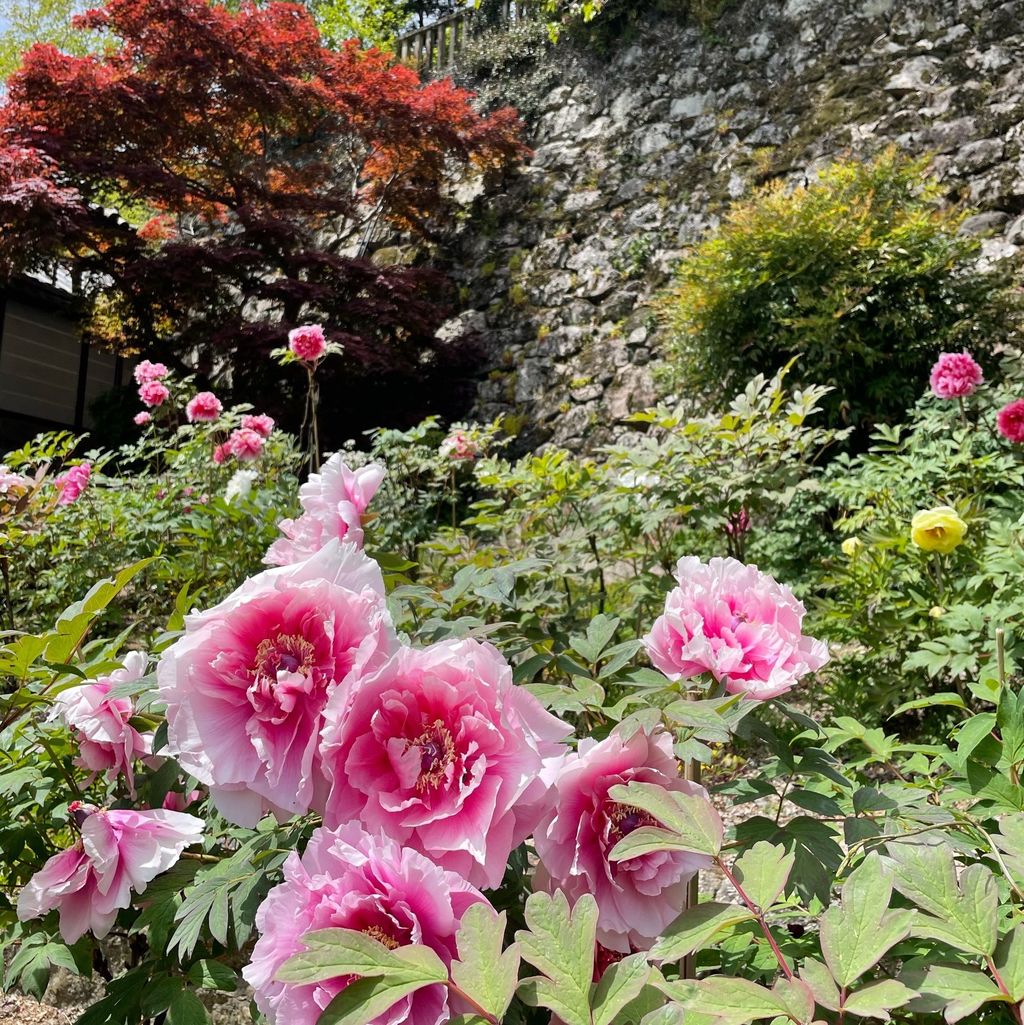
(308, 342)
(245, 444)
(636, 899)
(440, 751)
(203, 407)
(246, 685)
(220, 454)
(71, 484)
(119, 851)
(1010, 421)
(107, 741)
(143, 418)
(262, 424)
(146, 371)
(459, 445)
(13, 485)
(333, 503)
(348, 879)
(174, 801)
(153, 393)
(736, 623)
(955, 375)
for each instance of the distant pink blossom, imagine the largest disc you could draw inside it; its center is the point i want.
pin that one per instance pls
(442, 752)
(154, 393)
(246, 685)
(308, 342)
(738, 523)
(262, 424)
(107, 741)
(71, 484)
(174, 801)
(350, 879)
(143, 418)
(245, 444)
(1010, 421)
(204, 407)
(955, 375)
(737, 624)
(119, 851)
(13, 485)
(636, 899)
(220, 454)
(333, 502)
(459, 445)
(146, 371)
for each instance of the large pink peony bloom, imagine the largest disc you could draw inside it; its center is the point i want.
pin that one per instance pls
(147, 371)
(333, 503)
(154, 393)
(308, 342)
(71, 484)
(262, 424)
(203, 407)
(119, 851)
(245, 444)
(246, 685)
(1010, 421)
(636, 899)
(351, 880)
(440, 751)
(107, 741)
(736, 623)
(955, 375)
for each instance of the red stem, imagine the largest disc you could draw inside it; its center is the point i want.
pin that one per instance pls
(759, 915)
(463, 995)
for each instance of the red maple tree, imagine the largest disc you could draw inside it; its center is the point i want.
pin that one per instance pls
(255, 166)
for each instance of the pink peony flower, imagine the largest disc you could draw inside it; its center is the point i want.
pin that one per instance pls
(153, 393)
(262, 424)
(333, 503)
(119, 851)
(308, 342)
(459, 445)
(143, 418)
(348, 879)
(636, 899)
(1010, 421)
(106, 739)
(220, 454)
(203, 407)
(146, 371)
(13, 485)
(71, 484)
(246, 685)
(440, 751)
(736, 623)
(173, 801)
(955, 375)
(245, 444)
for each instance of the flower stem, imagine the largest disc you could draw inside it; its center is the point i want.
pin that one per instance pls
(758, 915)
(477, 1009)
(688, 969)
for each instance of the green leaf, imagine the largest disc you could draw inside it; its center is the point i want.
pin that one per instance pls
(186, 1009)
(734, 1001)
(483, 971)
(763, 871)
(1009, 962)
(692, 819)
(973, 732)
(945, 698)
(696, 927)
(334, 952)
(958, 989)
(821, 983)
(210, 974)
(621, 983)
(858, 932)
(794, 997)
(561, 945)
(877, 999)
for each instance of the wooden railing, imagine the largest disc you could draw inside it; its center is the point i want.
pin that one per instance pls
(435, 47)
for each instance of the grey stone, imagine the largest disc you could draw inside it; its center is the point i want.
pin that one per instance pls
(984, 224)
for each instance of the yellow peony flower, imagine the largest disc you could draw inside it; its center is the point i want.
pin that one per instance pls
(936, 612)
(937, 530)
(851, 546)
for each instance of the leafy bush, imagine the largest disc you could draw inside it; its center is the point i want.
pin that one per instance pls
(861, 272)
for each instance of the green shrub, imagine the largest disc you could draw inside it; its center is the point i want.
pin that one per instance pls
(861, 272)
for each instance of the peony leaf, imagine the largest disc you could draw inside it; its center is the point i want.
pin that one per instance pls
(691, 818)
(1009, 962)
(763, 871)
(735, 1001)
(695, 928)
(877, 999)
(821, 983)
(794, 997)
(561, 945)
(334, 952)
(955, 989)
(621, 983)
(483, 971)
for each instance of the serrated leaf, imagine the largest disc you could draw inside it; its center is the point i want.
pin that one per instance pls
(621, 983)
(763, 871)
(877, 999)
(691, 819)
(696, 927)
(483, 971)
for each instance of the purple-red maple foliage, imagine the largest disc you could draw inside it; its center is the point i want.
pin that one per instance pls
(265, 164)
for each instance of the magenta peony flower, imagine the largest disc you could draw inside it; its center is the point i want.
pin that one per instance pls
(308, 343)
(262, 424)
(440, 751)
(333, 503)
(636, 899)
(349, 879)
(736, 623)
(143, 418)
(459, 445)
(146, 371)
(246, 685)
(203, 407)
(220, 454)
(119, 851)
(71, 484)
(245, 444)
(153, 393)
(1010, 421)
(106, 739)
(955, 375)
